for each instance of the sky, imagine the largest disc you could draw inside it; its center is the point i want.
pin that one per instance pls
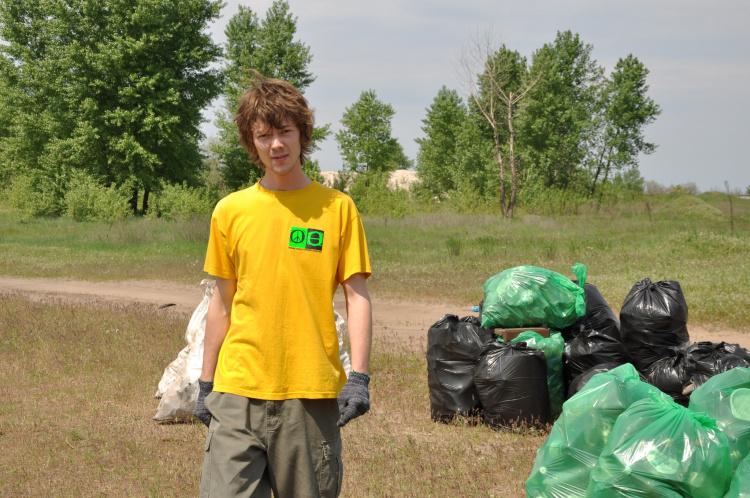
(697, 52)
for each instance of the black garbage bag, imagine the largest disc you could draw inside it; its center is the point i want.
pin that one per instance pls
(580, 381)
(669, 374)
(703, 360)
(589, 349)
(511, 380)
(653, 318)
(599, 316)
(453, 348)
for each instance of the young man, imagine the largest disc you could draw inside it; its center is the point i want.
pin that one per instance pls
(279, 250)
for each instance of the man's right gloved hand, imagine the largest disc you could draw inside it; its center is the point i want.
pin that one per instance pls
(354, 398)
(201, 411)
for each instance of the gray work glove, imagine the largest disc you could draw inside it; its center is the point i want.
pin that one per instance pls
(354, 398)
(201, 411)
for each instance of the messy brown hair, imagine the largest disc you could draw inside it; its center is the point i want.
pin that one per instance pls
(275, 103)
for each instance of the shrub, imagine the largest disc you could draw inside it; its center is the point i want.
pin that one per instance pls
(551, 201)
(343, 180)
(181, 201)
(468, 199)
(34, 194)
(654, 188)
(372, 196)
(87, 199)
(688, 188)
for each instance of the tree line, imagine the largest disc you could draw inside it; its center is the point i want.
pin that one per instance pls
(554, 123)
(100, 105)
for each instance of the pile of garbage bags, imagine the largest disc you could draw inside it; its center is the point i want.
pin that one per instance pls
(648, 413)
(473, 372)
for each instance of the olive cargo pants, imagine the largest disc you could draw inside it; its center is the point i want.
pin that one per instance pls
(292, 447)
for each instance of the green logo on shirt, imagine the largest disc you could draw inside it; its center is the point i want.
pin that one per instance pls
(306, 238)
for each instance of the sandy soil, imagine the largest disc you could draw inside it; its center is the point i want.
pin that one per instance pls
(401, 178)
(391, 319)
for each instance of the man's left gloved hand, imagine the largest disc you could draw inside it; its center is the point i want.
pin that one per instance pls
(201, 412)
(354, 398)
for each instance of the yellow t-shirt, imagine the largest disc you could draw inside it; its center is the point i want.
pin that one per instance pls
(288, 251)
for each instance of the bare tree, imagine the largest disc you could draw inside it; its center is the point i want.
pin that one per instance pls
(497, 80)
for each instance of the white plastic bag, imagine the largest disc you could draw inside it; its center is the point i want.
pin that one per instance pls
(178, 388)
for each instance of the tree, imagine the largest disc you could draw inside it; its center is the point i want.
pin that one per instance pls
(436, 159)
(114, 89)
(476, 174)
(8, 93)
(267, 46)
(365, 141)
(624, 111)
(559, 114)
(497, 81)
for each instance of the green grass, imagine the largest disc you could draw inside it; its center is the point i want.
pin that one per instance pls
(446, 257)
(419, 257)
(77, 382)
(131, 249)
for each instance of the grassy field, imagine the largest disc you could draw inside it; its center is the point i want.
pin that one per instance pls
(77, 384)
(445, 257)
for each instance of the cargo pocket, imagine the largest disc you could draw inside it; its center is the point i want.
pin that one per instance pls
(208, 441)
(205, 484)
(332, 469)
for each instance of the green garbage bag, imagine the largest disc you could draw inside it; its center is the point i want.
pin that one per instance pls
(726, 398)
(659, 448)
(740, 485)
(564, 462)
(527, 296)
(552, 347)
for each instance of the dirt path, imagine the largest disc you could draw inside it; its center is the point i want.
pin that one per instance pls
(403, 320)
(400, 319)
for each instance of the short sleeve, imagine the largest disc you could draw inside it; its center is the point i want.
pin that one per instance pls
(354, 256)
(218, 260)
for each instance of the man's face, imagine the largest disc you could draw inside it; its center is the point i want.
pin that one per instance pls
(278, 148)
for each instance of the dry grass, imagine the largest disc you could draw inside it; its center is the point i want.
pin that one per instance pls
(396, 450)
(76, 384)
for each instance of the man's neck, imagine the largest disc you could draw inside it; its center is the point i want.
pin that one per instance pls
(294, 180)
